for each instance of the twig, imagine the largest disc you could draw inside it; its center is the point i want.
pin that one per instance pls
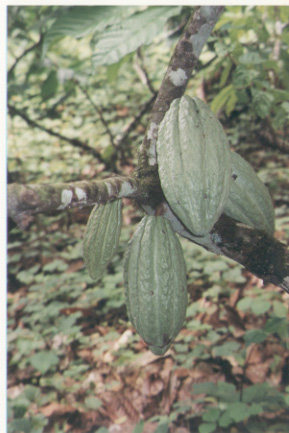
(73, 141)
(99, 112)
(142, 72)
(132, 124)
(27, 51)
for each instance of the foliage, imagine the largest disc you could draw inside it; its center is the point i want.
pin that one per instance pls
(75, 363)
(249, 70)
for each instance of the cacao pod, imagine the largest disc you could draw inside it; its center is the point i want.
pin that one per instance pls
(194, 163)
(155, 283)
(249, 200)
(101, 237)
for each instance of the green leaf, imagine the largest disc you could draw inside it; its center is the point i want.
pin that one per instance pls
(139, 427)
(276, 324)
(245, 304)
(255, 409)
(262, 102)
(25, 277)
(255, 393)
(225, 73)
(254, 336)
(243, 77)
(250, 58)
(279, 309)
(92, 402)
(225, 419)
(79, 21)
(222, 98)
(207, 427)
(209, 388)
(260, 306)
(238, 411)
(55, 265)
(43, 361)
(163, 427)
(227, 392)
(50, 85)
(226, 349)
(139, 29)
(211, 415)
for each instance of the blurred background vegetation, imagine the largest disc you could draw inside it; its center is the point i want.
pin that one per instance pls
(81, 83)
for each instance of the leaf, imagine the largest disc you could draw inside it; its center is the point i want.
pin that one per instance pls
(92, 402)
(211, 415)
(243, 77)
(226, 349)
(262, 102)
(260, 306)
(276, 324)
(250, 58)
(225, 420)
(139, 427)
(222, 98)
(255, 393)
(238, 411)
(139, 29)
(163, 427)
(79, 21)
(209, 388)
(55, 265)
(254, 336)
(207, 427)
(50, 85)
(225, 73)
(43, 361)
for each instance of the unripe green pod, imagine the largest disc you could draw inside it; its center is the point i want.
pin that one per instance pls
(101, 237)
(249, 200)
(155, 283)
(194, 164)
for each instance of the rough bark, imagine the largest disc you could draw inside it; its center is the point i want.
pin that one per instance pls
(24, 201)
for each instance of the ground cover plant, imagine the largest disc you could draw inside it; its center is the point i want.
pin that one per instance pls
(81, 86)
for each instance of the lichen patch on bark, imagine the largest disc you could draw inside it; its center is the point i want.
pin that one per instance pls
(66, 197)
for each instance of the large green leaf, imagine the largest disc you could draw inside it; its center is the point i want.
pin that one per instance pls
(226, 98)
(79, 21)
(123, 38)
(43, 360)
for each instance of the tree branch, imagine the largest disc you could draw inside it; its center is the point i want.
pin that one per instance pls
(258, 252)
(24, 201)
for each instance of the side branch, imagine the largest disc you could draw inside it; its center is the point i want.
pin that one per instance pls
(259, 253)
(24, 201)
(13, 111)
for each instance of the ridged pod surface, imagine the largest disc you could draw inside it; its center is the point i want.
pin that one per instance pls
(194, 163)
(155, 283)
(101, 237)
(249, 200)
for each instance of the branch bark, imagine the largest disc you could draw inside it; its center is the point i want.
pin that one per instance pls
(24, 201)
